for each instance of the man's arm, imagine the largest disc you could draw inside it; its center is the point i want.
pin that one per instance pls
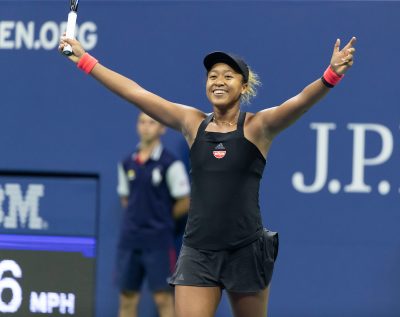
(181, 207)
(179, 188)
(123, 186)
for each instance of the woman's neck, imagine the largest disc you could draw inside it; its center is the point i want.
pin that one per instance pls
(227, 117)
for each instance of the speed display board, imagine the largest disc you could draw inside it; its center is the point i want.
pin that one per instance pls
(47, 257)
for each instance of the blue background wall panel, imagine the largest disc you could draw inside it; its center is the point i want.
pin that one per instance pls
(339, 251)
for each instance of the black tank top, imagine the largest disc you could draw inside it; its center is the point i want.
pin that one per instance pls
(226, 170)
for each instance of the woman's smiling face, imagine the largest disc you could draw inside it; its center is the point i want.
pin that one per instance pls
(224, 85)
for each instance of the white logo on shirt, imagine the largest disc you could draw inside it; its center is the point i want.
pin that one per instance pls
(156, 176)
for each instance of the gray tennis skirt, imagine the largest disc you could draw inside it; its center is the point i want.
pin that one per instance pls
(243, 270)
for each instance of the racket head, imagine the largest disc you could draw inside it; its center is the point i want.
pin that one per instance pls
(73, 5)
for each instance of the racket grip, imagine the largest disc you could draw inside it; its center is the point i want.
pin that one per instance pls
(70, 32)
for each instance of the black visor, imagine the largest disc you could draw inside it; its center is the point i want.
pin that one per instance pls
(232, 60)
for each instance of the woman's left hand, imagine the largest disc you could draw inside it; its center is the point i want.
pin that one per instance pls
(342, 59)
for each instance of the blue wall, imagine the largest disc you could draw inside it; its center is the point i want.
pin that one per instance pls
(340, 248)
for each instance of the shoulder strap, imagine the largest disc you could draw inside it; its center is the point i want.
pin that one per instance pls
(240, 124)
(204, 124)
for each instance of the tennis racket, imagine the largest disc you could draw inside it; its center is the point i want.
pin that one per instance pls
(70, 32)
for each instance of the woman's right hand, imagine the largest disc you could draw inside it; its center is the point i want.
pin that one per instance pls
(77, 50)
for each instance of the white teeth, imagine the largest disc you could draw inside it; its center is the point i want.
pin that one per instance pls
(219, 91)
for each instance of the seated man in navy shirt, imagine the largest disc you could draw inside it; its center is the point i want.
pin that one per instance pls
(154, 190)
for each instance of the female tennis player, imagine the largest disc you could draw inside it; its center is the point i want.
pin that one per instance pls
(225, 245)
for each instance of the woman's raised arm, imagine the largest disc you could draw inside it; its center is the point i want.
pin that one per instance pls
(278, 118)
(176, 116)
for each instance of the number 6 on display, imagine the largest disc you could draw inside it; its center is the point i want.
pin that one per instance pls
(10, 283)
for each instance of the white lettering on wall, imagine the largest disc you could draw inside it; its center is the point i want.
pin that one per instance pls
(33, 36)
(360, 162)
